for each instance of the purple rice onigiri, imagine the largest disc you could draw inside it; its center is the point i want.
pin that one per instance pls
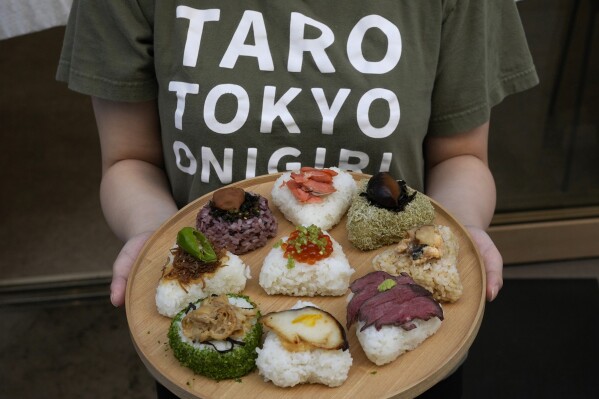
(239, 231)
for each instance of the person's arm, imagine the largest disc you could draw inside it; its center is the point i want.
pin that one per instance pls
(134, 192)
(458, 177)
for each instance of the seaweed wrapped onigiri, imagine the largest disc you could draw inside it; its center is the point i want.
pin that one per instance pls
(383, 210)
(217, 337)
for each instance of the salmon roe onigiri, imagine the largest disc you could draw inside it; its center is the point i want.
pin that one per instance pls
(307, 245)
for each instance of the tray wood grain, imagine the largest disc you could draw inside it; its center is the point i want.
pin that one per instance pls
(408, 376)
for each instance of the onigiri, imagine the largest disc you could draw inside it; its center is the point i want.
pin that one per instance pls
(217, 337)
(186, 278)
(314, 196)
(287, 269)
(303, 359)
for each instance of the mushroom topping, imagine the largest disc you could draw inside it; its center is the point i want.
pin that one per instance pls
(217, 319)
(306, 328)
(228, 198)
(384, 191)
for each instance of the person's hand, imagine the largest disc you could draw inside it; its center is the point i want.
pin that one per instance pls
(122, 266)
(491, 258)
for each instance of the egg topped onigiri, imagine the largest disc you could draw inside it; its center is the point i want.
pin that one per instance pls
(314, 196)
(304, 344)
(308, 262)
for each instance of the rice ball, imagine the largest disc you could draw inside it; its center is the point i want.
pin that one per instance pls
(325, 214)
(173, 296)
(387, 344)
(328, 276)
(289, 368)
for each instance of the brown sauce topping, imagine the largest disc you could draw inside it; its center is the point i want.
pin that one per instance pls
(186, 268)
(217, 319)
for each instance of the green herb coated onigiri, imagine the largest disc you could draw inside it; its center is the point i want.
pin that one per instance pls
(370, 227)
(204, 359)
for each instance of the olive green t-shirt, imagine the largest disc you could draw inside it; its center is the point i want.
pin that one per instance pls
(251, 87)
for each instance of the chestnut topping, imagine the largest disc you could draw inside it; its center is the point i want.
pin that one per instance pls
(228, 199)
(384, 191)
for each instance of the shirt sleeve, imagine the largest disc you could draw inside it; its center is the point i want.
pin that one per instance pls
(108, 50)
(483, 58)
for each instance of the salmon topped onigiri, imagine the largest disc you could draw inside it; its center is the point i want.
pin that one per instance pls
(314, 196)
(194, 270)
(308, 262)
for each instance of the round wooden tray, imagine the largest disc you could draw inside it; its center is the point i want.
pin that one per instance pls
(408, 376)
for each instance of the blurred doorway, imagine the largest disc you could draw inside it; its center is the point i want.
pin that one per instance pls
(545, 142)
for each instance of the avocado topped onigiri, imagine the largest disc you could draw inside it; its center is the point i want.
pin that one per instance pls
(217, 337)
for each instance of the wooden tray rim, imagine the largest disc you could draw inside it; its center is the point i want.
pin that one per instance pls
(414, 390)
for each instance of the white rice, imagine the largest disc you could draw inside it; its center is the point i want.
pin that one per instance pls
(329, 276)
(325, 214)
(287, 369)
(230, 278)
(387, 344)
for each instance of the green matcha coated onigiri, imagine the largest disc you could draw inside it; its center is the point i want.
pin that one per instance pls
(207, 348)
(370, 227)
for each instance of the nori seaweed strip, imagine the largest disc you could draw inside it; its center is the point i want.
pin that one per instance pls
(250, 208)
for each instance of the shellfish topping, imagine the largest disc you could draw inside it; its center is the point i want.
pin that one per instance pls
(421, 245)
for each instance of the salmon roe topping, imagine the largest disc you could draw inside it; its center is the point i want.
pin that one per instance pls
(307, 245)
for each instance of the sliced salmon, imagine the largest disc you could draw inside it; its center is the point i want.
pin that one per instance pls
(319, 188)
(310, 184)
(299, 177)
(296, 190)
(305, 169)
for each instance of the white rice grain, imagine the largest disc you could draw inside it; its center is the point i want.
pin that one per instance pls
(230, 278)
(329, 276)
(287, 369)
(325, 214)
(316, 366)
(387, 344)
